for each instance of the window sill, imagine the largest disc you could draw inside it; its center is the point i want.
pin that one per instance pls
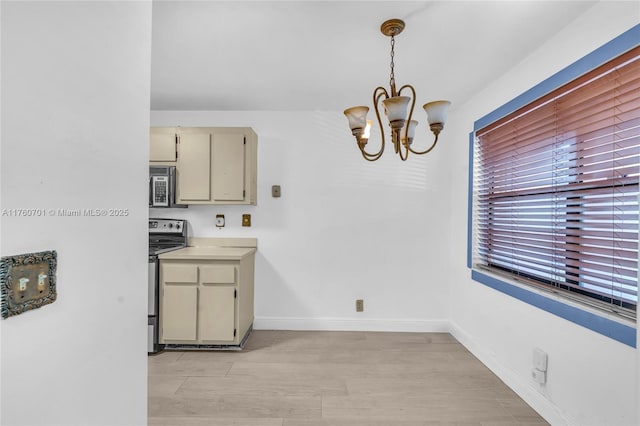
(609, 325)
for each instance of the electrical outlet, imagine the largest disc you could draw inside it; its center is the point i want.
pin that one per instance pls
(246, 220)
(275, 191)
(539, 376)
(359, 305)
(220, 220)
(540, 359)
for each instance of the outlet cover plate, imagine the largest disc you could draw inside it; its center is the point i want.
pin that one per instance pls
(220, 220)
(27, 281)
(540, 359)
(246, 220)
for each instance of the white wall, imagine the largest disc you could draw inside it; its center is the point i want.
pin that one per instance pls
(75, 117)
(592, 380)
(343, 229)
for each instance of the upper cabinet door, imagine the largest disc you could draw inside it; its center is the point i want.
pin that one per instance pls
(194, 160)
(228, 167)
(162, 147)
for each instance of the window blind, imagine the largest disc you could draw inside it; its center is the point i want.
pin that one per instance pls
(556, 188)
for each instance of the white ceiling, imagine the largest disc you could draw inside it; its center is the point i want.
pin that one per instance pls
(328, 55)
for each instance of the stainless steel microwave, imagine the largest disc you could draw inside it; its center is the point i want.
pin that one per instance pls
(162, 187)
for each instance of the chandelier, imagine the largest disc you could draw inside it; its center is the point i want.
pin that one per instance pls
(395, 108)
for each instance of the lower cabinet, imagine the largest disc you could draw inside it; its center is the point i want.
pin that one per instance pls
(179, 309)
(205, 302)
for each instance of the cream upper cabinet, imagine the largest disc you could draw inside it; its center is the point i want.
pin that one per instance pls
(227, 168)
(162, 145)
(194, 168)
(216, 165)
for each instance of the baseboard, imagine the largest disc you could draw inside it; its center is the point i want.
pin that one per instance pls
(347, 324)
(550, 412)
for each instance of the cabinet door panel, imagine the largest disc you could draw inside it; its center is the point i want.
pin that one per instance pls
(179, 312)
(194, 162)
(220, 274)
(162, 147)
(216, 313)
(228, 167)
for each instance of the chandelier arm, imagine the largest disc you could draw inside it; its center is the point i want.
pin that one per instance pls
(378, 93)
(370, 157)
(435, 141)
(362, 143)
(406, 150)
(407, 123)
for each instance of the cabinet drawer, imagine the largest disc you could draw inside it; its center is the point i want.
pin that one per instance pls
(218, 274)
(180, 274)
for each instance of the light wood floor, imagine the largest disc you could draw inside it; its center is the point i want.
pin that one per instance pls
(289, 378)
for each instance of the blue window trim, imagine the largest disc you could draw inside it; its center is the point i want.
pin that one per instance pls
(620, 332)
(613, 329)
(470, 203)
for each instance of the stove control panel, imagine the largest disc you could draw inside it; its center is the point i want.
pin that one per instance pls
(174, 226)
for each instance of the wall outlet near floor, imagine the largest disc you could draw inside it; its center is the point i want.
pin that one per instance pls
(359, 305)
(539, 376)
(220, 220)
(540, 359)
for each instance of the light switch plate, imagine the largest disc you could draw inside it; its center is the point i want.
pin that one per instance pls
(27, 281)
(246, 220)
(275, 191)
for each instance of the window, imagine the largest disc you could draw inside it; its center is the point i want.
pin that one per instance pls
(555, 189)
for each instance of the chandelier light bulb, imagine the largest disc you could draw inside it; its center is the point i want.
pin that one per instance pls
(367, 130)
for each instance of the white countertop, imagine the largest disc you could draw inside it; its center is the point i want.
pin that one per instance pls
(208, 253)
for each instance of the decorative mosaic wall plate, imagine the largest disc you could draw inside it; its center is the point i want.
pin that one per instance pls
(27, 281)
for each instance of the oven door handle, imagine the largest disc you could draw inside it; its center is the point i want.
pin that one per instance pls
(153, 286)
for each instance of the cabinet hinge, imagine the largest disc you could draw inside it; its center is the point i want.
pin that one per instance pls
(234, 332)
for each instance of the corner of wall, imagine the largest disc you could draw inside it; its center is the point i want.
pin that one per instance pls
(549, 411)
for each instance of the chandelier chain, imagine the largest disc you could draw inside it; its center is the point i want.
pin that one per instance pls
(392, 77)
